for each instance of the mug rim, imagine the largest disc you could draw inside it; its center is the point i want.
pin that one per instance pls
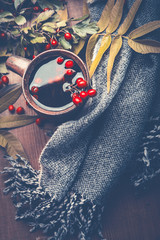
(41, 57)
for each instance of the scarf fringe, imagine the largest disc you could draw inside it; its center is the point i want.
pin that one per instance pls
(40, 210)
(147, 167)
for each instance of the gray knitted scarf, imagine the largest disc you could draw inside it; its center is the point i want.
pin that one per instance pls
(85, 157)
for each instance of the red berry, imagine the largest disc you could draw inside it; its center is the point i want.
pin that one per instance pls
(36, 8)
(20, 110)
(69, 72)
(77, 100)
(1, 84)
(46, 9)
(60, 60)
(79, 80)
(69, 64)
(5, 80)
(33, 57)
(11, 108)
(54, 43)
(2, 35)
(83, 94)
(25, 48)
(92, 92)
(82, 84)
(75, 95)
(34, 89)
(39, 121)
(48, 46)
(35, 96)
(68, 36)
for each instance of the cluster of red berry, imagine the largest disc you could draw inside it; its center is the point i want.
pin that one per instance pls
(81, 94)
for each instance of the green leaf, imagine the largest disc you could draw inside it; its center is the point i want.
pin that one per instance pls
(143, 30)
(49, 29)
(105, 43)
(3, 52)
(10, 98)
(85, 27)
(45, 4)
(80, 18)
(15, 32)
(26, 30)
(19, 50)
(38, 40)
(144, 46)
(61, 24)
(15, 121)
(44, 16)
(130, 17)
(11, 144)
(20, 20)
(5, 20)
(115, 16)
(6, 14)
(8, 88)
(114, 50)
(64, 43)
(3, 68)
(17, 3)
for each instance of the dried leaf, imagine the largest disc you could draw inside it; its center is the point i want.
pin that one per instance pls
(114, 50)
(63, 14)
(85, 8)
(89, 50)
(143, 30)
(16, 121)
(105, 17)
(106, 41)
(10, 98)
(115, 16)
(130, 17)
(144, 46)
(11, 144)
(20, 20)
(77, 48)
(8, 88)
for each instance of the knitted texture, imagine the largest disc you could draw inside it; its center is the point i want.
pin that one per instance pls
(85, 157)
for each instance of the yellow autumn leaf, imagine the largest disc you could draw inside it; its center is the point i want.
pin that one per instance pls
(143, 30)
(85, 8)
(130, 17)
(115, 16)
(89, 50)
(114, 50)
(144, 46)
(106, 41)
(102, 24)
(78, 47)
(63, 14)
(105, 17)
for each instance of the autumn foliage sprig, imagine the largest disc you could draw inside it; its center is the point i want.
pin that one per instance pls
(109, 23)
(47, 22)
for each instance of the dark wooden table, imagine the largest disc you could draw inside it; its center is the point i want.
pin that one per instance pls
(127, 217)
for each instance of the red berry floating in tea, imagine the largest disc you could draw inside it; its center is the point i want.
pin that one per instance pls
(83, 94)
(56, 89)
(82, 84)
(92, 92)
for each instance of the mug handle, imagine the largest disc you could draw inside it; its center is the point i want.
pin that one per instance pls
(18, 64)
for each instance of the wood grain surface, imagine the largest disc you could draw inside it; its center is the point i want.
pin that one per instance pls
(127, 216)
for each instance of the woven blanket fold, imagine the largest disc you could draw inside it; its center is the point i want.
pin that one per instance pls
(85, 157)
